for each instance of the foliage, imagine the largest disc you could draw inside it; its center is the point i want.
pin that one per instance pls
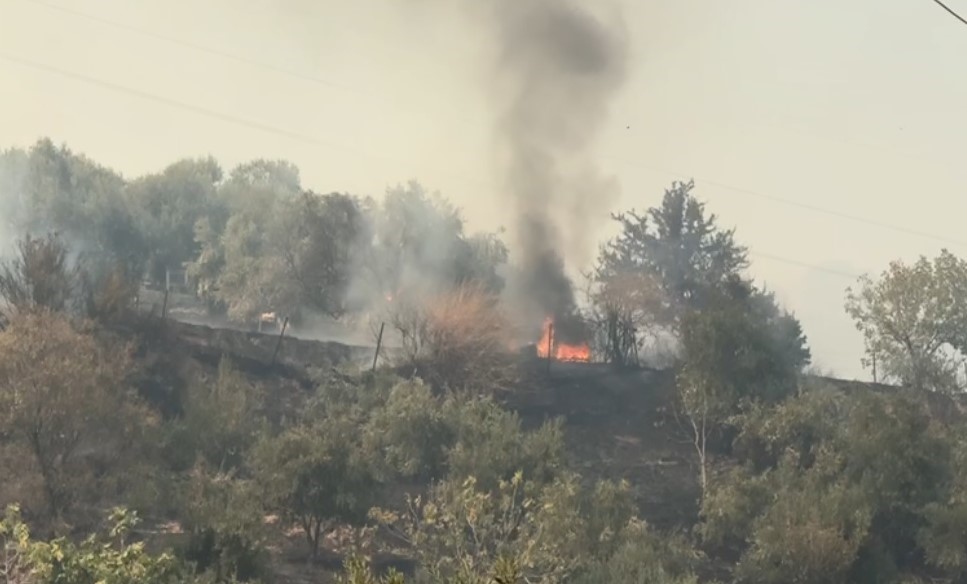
(624, 308)
(169, 205)
(318, 240)
(839, 487)
(675, 245)
(39, 278)
(645, 557)
(65, 401)
(811, 534)
(465, 533)
(730, 359)
(357, 571)
(913, 320)
(420, 246)
(224, 519)
(411, 431)
(315, 474)
(81, 201)
(491, 444)
(95, 560)
(219, 425)
(457, 340)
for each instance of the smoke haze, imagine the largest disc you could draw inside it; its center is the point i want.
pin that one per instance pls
(556, 71)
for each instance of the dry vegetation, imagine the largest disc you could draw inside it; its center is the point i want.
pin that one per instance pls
(457, 339)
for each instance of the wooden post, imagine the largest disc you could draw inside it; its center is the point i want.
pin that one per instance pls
(379, 343)
(164, 305)
(550, 346)
(278, 343)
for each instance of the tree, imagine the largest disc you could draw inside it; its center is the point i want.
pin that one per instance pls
(839, 486)
(85, 203)
(220, 423)
(623, 312)
(458, 339)
(914, 320)
(169, 205)
(235, 268)
(319, 241)
(63, 397)
(39, 278)
(678, 247)
(730, 356)
(315, 475)
(224, 519)
(516, 531)
(42, 277)
(420, 246)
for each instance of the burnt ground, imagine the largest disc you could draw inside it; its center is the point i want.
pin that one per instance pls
(618, 422)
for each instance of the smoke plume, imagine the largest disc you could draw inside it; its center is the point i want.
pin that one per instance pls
(558, 67)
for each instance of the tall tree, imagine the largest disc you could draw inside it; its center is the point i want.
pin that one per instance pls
(420, 243)
(170, 203)
(914, 320)
(83, 201)
(678, 246)
(669, 263)
(730, 356)
(319, 240)
(61, 393)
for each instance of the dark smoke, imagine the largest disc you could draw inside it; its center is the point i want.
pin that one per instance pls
(558, 68)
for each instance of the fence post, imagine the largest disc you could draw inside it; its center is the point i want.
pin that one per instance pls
(164, 305)
(278, 343)
(550, 346)
(379, 343)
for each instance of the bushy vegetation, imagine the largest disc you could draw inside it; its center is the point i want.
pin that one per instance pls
(798, 480)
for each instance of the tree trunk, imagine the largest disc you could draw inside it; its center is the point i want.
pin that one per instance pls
(701, 441)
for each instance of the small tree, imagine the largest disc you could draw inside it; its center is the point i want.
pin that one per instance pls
(62, 392)
(730, 356)
(458, 339)
(314, 475)
(913, 319)
(40, 277)
(624, 308)
(516, 531)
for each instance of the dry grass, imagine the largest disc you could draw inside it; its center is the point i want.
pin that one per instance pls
(458, 340)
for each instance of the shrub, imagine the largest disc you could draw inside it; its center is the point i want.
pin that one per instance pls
(459, 339)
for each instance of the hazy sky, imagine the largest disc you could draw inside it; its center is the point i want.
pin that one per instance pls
(792, 116)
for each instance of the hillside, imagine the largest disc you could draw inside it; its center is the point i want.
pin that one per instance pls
(618, 424)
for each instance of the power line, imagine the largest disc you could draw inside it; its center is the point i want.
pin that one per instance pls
(274, 68)
(157, 98)
(242, 121)
(309, 139)
(187, 44)
(784, 260)
(814, 208)
(951, 11)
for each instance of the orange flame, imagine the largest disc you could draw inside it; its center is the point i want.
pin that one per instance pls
(562, 351)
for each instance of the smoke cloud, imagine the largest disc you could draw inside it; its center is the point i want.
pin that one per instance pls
(557, 69)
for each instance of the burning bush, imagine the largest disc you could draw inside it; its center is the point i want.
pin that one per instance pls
(458, 339)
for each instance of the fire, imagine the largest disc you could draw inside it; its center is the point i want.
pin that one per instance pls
(562, 351)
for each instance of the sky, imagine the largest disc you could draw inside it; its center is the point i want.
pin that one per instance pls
(829, 134)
